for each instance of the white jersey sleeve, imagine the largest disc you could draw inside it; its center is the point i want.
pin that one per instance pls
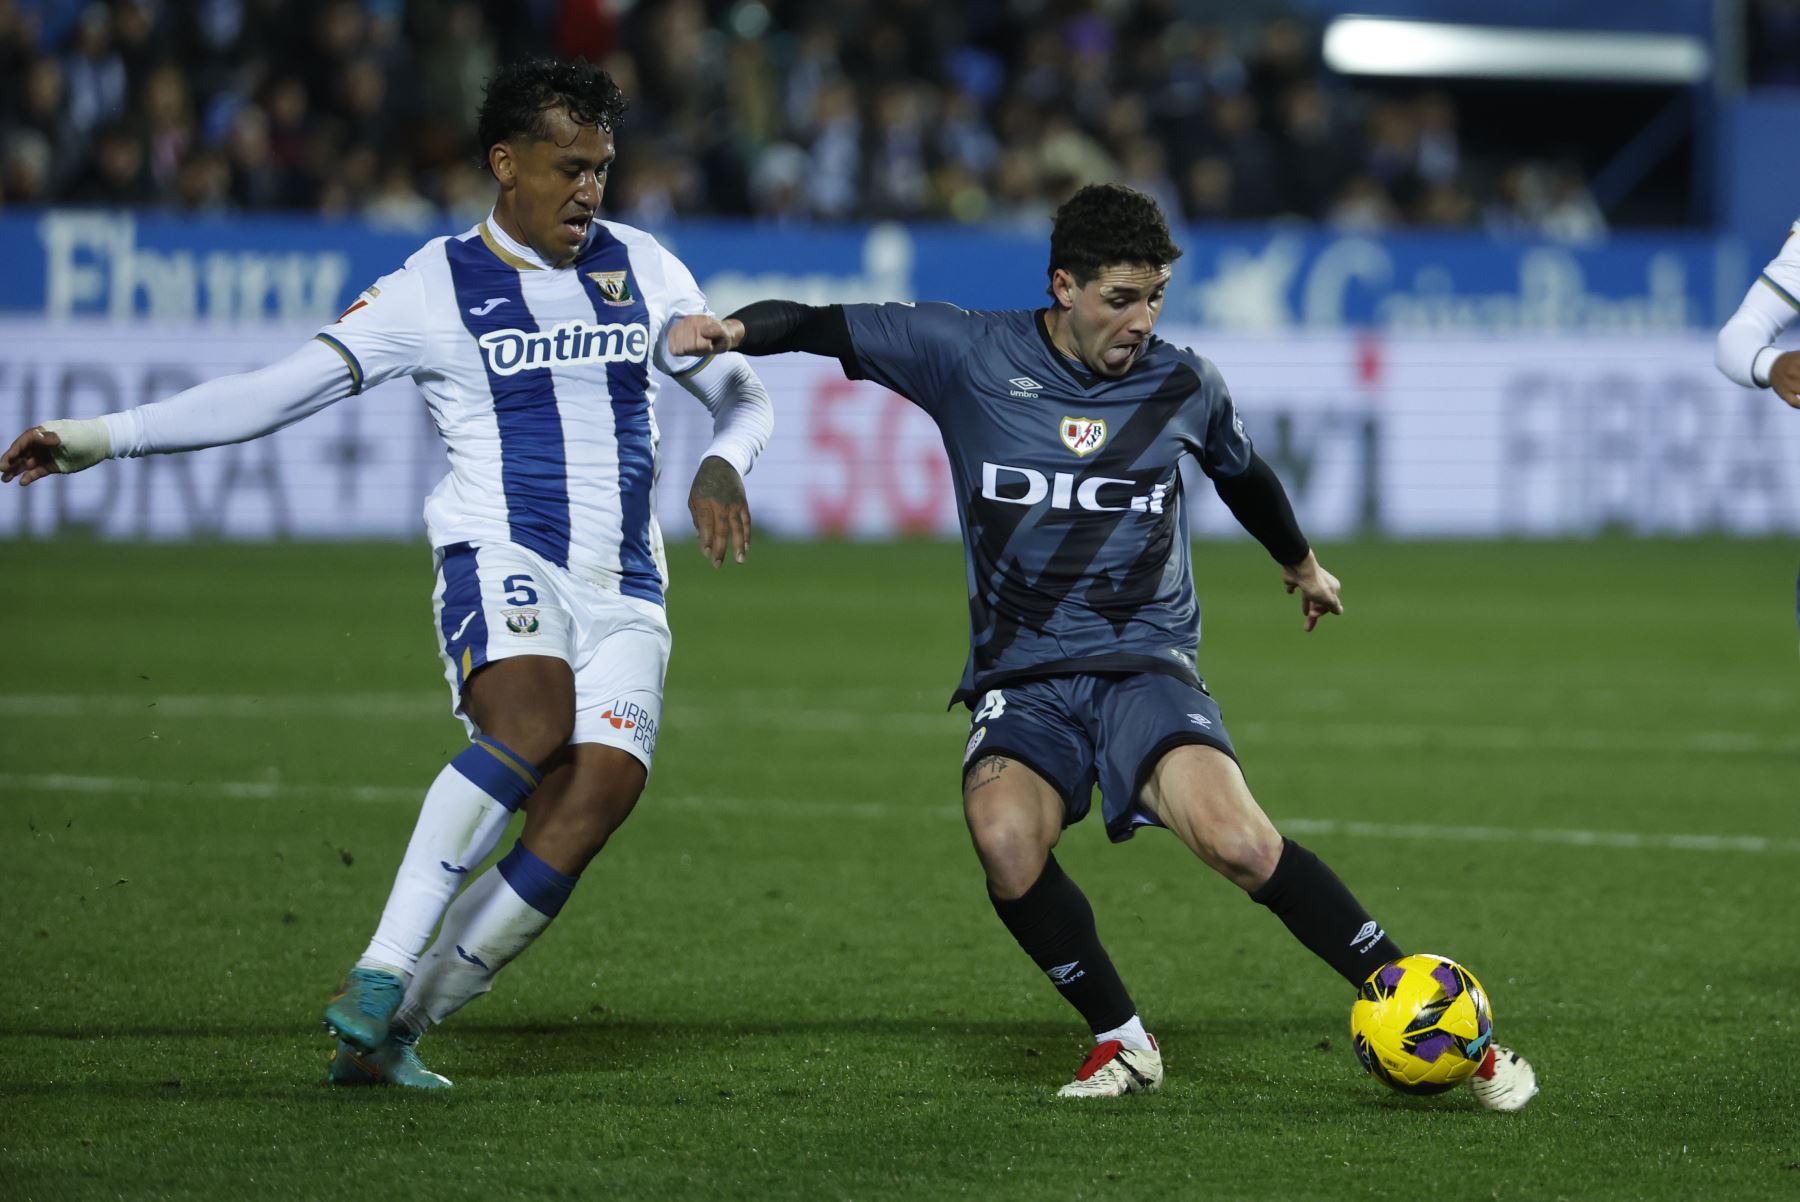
(743, 417)
(683, 299)
(383, 335)
(1744, 349)
(232, 408)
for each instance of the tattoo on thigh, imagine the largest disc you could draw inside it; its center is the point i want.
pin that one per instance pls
(986, 771)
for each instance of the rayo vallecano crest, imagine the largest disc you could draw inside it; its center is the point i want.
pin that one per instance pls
(1083, 435)
(615, 288)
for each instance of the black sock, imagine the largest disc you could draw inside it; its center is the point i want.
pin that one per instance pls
(1055, 925)
(1324, 915)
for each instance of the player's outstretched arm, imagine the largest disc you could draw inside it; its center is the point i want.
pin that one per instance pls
(226, 410)
(54, 448)
(768, 327)
(704, 334)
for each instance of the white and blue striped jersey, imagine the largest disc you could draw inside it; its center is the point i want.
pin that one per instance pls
(539, 382)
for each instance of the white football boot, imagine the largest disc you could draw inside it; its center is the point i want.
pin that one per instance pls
(1112, 1069)
(1505, 1080)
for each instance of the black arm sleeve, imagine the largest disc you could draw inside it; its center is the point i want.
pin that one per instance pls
(774, 326)
(1259, 503)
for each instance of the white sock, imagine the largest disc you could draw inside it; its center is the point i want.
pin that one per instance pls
(497, 917)
(1131, 1034)
(465, 813)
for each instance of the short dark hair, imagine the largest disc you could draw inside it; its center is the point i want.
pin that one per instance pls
(1106, 224)
(522, 91)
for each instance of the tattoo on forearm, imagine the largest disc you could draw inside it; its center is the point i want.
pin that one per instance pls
(986, 771)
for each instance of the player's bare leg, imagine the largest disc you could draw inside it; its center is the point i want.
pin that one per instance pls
(527, 702)
(1200, 794)
(588, 793)
(1015, 818)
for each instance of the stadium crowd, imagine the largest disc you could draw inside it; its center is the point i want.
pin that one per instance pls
(787, 110)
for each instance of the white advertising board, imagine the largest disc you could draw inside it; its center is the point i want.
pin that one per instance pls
(1409, 436)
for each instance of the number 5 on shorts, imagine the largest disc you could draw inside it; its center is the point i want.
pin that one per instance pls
(521, 586)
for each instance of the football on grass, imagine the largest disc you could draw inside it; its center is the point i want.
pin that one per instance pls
(1421, 1024)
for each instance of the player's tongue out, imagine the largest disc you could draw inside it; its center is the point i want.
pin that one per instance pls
(1119, 355)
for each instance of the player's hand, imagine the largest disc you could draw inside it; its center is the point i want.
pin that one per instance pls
(52, 448)
(1318, 589)
(1784, 378)
(720, 511)
(704, 335)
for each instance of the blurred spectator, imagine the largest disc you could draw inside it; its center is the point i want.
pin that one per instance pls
(203, 183)
(96, 73)
(789, 110)
(1363, 206)
(169, 116)
(397, 203)
(1773, 43)
(115, 174)
(25, 168)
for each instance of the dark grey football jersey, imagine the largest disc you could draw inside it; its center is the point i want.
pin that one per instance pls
(1068, 485)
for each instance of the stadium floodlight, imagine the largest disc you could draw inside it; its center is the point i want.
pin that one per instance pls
(1382, 46)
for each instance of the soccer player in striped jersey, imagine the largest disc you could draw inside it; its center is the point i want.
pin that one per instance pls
(1066, 428)
(1745, 350)
(532, 338)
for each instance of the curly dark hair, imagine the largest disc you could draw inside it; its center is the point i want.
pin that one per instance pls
(523, 90)
(1107, 224)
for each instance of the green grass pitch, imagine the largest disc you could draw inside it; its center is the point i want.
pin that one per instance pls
(1575, 767)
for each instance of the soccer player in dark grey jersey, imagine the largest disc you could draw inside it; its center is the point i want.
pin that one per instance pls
(1066, 428)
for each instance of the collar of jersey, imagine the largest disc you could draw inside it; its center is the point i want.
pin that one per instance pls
(1040, 320)
(507, 249)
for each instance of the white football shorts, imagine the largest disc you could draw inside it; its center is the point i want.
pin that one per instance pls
(497, 600)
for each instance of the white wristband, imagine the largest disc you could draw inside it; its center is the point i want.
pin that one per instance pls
(1763, 364)
(84, 442)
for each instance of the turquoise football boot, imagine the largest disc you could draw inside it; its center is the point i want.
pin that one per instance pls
(359, 1013)
(395, 1062)
(352, 1067)
(400, 1063)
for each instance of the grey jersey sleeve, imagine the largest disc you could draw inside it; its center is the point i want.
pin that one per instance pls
(1217, 437)
(911, 349)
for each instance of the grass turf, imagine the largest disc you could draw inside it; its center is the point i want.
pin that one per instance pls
(783, 980)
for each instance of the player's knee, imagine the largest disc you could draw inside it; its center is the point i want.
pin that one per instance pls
(1011, 848)
(1245, 856)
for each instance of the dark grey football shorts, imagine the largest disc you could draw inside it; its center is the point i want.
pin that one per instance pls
(1075, 731)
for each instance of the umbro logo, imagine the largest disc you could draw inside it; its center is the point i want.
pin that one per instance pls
(493, 302)
(1200, 720)
(1367, 937)
(1067, 974)
(477, 961)
(1025, 386)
